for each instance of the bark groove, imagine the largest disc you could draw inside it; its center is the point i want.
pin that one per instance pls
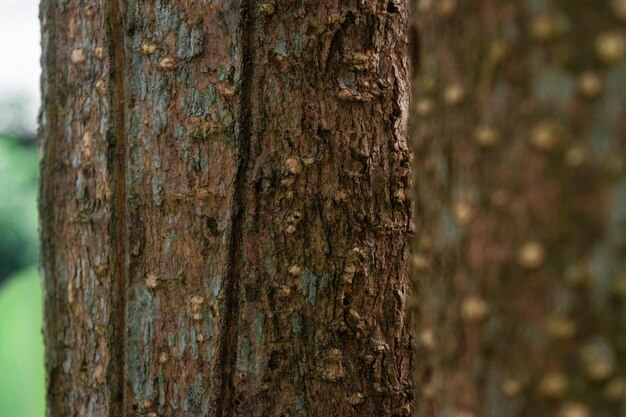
(229, 347)
(117, 166)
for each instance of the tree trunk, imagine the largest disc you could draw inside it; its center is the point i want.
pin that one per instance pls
(224, 212)
(520, 259)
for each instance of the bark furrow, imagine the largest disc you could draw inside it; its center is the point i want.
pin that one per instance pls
(117, 166)
(235, 258)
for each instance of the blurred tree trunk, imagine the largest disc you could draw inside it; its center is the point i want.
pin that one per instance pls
(224, 212)
(520, 134)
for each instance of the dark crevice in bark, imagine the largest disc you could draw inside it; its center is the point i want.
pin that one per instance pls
(229, 344)
(47, 212)
(117, 167)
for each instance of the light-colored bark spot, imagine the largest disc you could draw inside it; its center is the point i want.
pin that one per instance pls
(267, 8)
(531, 255)
(295, 270)
(293, 165)
(553, 385)
(453, 94)
(99, 52)
(463, 212)
(590, 84)
(167, 63)
(487, 136)
(547, 136)
(428, 339)
(151, 280)
(78, 56)
(598, 360)
(511, 387)
(574, 410)
(197, 302)
(474, 309)
(611, 47)
(148, 48)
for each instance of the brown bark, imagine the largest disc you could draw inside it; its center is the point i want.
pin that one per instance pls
(519, 134)
(223, 208)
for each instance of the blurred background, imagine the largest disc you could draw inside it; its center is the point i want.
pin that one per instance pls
(21, 343)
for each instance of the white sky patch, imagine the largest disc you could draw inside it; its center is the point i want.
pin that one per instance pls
(19, 65)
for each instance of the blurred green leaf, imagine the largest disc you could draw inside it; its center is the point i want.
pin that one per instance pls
(22, 376)
(18, 206)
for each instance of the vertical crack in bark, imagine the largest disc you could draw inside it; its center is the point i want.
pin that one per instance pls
(117, 167)
(229, 342)
(47, 210)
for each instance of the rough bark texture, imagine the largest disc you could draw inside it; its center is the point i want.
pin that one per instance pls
(224, 217)
(519, 132)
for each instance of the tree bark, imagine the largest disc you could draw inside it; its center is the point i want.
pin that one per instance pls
(224, 211)
(519, 135)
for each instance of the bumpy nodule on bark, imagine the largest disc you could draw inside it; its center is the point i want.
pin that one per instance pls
(519, 134)
(224, 208)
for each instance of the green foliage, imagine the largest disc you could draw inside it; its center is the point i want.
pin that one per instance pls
(22, 386)
(18, 208)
